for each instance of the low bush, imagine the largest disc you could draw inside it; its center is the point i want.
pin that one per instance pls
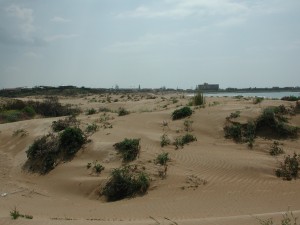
(198, 99)
(71, 140)
(233, 131)
(289, 168)
(128, 148)
(275, 149)
(122, 112)
(164, 140)
(257, 100)
(234, 115)
(185, 139)
(290, 98)
(92, 128)
(46, 152)
(15, 214)
(20, 132)
(91, 111)
(62, 124)
(97, 167)
(43, 154)
(182, 113)
(188, 125)
(162, 158)
(29, 111)
(126, 182)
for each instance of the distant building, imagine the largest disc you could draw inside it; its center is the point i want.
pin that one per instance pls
(208, 87)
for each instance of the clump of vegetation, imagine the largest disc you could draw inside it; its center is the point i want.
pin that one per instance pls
(104, 109)
(188, 125)
(198, 99)
(257, 100)
(233, 131)
(271, 122)
(71, 140)
(272, 119)
(122, 112)
(288, 219)
(91, 111)
(182, 113)
(290, 98)
(92, 128)
(128, 148)
(162, 158)
(297, 107)
(46, 152)
(164, 140)
(16, 110)
(43, 154)
(289, 168)
(234, 115)
(181, 141)
(15, 214)
(97, 167)
(126, 182)
(62, 124)
(20, 132)
(275, 149)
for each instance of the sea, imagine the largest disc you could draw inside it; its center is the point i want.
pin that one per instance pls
(271, 95)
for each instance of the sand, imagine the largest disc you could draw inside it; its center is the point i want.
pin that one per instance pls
(240, 185)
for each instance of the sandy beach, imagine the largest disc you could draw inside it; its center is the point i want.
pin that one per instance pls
(210, 181)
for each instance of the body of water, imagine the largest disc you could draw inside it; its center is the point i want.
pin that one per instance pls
(277, 95)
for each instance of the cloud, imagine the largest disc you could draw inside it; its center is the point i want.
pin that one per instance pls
(24, 19)
(58, 19)
(186, 8)
(60, 37)
(17, 27)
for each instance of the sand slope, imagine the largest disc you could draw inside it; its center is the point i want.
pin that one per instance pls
(241, 184)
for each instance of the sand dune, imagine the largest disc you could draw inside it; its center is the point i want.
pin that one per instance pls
(240, 184)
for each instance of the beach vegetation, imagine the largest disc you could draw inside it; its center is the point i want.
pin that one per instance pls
(128, 148)
(62, 124)
(289, 168)
(162, 158)
(125, 182)
(182, 113)
(275, 149)
(164, 140)
(123, 112)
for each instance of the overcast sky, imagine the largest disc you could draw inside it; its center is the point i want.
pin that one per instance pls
(172, 43)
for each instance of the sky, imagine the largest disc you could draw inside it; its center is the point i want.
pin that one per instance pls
(171, 43)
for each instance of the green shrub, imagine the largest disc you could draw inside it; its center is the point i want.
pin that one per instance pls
(275, 149)
(9, 116)
(15, 214)
(42, 155)
(182, 113)
(290, 98)
(289, 168)
(198, 99)
(20, 132)
(97, 167)
(62, 124)
(122, 112)
(164, 140)
(257, 100)
(91, 111)
(234, 115)
(125, 182)
(92, 128)
(188, 125)
(29, 111)
(233, 131)
(71, 140)
(162, 158)
(128, 148)
(185, 139)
